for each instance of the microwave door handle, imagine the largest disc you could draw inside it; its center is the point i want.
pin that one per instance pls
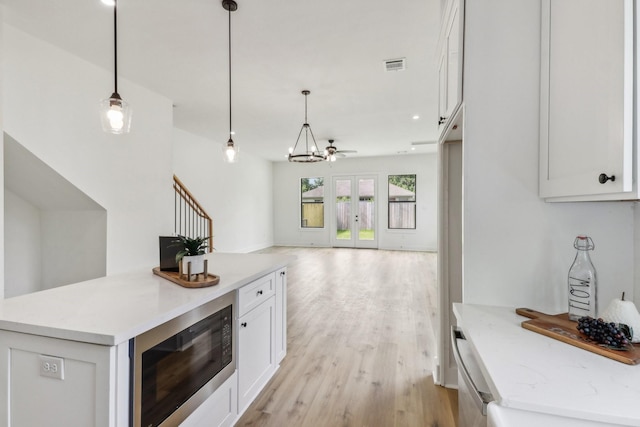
(481, 398)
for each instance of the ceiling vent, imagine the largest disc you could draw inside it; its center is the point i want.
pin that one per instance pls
(395, 64)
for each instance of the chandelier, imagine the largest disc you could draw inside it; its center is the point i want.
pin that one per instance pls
(310, 154)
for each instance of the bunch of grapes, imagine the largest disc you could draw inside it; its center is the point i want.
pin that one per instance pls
(606, 333)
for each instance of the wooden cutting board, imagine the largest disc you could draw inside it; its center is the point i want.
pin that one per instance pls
(559, 326)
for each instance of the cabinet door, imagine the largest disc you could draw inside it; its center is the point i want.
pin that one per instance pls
(442, 86)
(256, 351)
(454, 58)
(450, 64)
(586, 100)
(281, 314)
(84, 394)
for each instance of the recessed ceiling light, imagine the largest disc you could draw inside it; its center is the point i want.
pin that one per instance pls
(413, 148)
(109, 2)
(415, 117)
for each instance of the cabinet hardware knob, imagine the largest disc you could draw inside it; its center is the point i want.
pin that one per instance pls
(441, 120)
(259, 292)
(243, 324)
(282, 273)
(604, 178)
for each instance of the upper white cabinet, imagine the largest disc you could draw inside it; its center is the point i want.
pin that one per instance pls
(450, 64)
(586, 101)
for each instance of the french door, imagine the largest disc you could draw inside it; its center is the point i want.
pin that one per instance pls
(354, 206)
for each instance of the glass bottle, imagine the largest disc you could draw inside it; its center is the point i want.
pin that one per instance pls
(582, 281)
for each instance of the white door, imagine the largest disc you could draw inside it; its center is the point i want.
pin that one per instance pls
(354, 207)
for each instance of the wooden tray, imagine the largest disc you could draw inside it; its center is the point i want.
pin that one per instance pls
(200, 281)
(559, 326)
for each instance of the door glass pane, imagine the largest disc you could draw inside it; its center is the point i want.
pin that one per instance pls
(366, 211)
(343, 209)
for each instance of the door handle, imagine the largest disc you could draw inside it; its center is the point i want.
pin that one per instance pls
(481, 398)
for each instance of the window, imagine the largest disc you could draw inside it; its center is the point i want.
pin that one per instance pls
(312, 202)
(402, 201)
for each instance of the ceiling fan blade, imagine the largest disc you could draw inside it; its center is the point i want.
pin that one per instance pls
(340, 154)
(346, 151)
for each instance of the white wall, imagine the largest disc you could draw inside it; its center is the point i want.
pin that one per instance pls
(50, 105)
(286, 182)
(2, 267)
(50, 248)
(239, 196)
(517, 248)
(73, 246)
(22, 233)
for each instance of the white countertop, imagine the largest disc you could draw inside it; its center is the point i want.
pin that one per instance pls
(532, 372)
(113, 309)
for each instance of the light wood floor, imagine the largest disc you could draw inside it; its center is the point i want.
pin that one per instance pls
(359, 344)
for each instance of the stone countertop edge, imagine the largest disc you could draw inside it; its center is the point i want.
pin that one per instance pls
(113, 309)
(529, 371)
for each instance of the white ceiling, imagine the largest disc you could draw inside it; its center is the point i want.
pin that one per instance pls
(334, 48)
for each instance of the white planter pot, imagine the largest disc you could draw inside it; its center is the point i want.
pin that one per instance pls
(197, 264)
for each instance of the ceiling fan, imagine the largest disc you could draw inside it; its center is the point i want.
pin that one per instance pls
(332, 152)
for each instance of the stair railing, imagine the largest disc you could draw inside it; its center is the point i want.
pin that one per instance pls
(190, 219)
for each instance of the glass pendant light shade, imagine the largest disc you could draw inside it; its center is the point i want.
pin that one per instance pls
(230, 151)
(115, 114)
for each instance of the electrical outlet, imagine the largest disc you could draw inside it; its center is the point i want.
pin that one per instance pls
(51, 366)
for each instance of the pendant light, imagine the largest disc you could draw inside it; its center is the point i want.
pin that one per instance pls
(115, 112)
(230, 150)
(311, 154)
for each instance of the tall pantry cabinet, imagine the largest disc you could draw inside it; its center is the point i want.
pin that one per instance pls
(450, 121)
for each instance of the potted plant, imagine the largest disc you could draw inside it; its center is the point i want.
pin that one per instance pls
(192, 251)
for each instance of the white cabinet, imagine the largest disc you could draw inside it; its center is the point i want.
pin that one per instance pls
(262, 333)
(450, 64)
(586, 101)
(85, 395)
(219, 410)
(256, 336)
(256, 351)
(281, 314)
(255, 293)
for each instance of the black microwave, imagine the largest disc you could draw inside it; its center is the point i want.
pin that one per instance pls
(176, 366)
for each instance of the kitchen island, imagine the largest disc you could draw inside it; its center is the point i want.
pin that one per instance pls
(90, 325)
(536, 374)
